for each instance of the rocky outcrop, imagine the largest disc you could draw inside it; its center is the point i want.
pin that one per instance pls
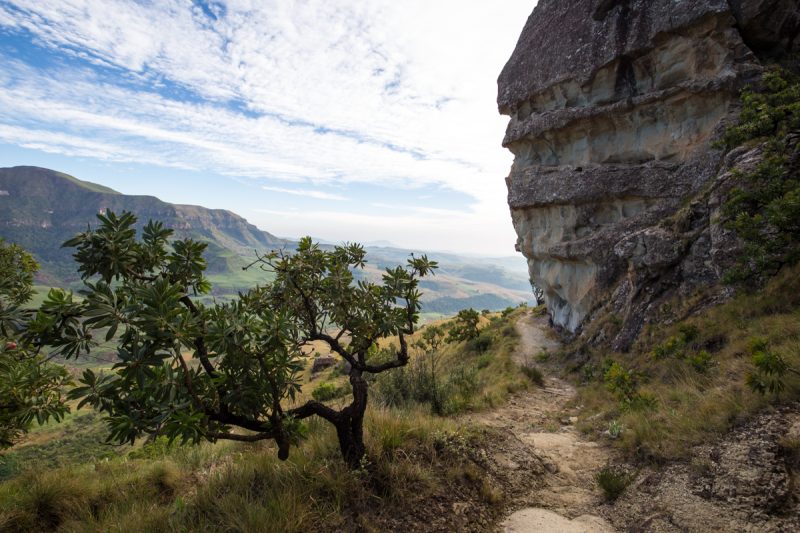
(745, 481)
(615, 105)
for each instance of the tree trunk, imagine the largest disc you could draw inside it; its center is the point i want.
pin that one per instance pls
(350, 427)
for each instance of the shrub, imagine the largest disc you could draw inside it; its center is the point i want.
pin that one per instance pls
(688, 333)
(701, 361)
(613, 481)
(329, 391)
(465, 383)
(482, 342)
(642, 401)
(484, 361)
(465, 326)
(765, 211)
(534, 374)
(770, 368)
(449, 392)
(615, 429)
(543, 356)
(678, 347)
(620, 382)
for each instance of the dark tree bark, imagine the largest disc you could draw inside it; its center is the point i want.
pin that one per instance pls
(350, 426)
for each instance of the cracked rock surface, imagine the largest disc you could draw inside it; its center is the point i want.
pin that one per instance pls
(616, 186)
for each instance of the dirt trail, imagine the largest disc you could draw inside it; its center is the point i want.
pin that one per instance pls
(743, 481)
(541, 419)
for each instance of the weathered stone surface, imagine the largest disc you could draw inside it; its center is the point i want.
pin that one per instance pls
(614, 106)
(745, 481)
(769, 26)
(322, 362)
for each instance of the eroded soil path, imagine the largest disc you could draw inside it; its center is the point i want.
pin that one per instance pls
(542, 419)
(745, 480)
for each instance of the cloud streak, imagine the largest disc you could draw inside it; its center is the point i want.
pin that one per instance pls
(308, 193)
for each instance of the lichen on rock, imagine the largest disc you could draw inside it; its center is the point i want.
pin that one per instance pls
(614, 109)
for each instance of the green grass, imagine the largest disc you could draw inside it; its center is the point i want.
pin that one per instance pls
(534, 374)
(94, 187)
(695, 388)
(235, 487)
(64, 478)
(471, 375)
(78, 439)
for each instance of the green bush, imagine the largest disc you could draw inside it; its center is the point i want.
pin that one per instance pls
(484, 361)
(615, 429)
(613, 481)
(481, 343)
(543, 356)
(680, 347)
(464, 326)
(765, 211)
(620, 382)
(329, 391)
(770, 368)
(452, 391)
(641, 401)
(534, 374)
(701, 361)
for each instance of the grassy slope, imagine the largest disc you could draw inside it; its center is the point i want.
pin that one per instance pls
(94, 187)
(414, 457)
(694, 406)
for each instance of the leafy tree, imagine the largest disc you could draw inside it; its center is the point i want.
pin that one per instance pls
(30, 387)
(193, 371)
(465, 326)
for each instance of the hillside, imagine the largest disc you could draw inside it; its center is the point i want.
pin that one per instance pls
(655, 192)
(41, 208)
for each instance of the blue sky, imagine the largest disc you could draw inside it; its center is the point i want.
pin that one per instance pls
(345, 120)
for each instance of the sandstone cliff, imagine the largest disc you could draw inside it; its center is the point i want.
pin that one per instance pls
(615, 188)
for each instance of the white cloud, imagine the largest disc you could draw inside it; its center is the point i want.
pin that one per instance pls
(309, 193)
(392, 93)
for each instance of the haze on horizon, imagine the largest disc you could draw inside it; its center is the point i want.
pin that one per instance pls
(346, 120)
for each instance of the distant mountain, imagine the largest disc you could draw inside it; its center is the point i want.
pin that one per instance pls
(41, 208)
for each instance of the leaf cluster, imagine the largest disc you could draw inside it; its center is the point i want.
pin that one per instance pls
(765, 211)
(769, 368)
(30, 387)
(465, 326)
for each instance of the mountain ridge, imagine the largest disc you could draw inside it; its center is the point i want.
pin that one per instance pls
(41, 208)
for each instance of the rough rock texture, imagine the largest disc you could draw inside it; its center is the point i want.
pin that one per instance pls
(323, 362)
(747, 481)
(614, 108)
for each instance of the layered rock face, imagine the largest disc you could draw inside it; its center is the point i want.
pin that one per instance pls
(614, 108)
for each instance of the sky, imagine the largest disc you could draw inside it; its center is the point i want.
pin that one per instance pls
(347, 120)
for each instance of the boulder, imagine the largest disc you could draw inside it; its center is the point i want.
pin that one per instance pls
(322, 362)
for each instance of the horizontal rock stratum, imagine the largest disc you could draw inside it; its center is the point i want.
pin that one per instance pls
(614, 107)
